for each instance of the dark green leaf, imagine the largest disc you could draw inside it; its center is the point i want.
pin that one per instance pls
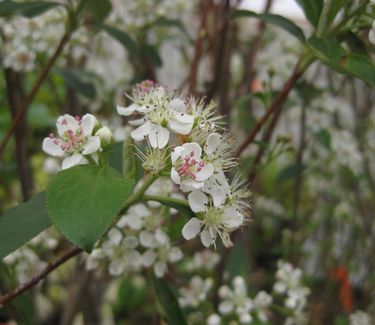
(335, 8)
(27, 9)
(335, 56)
(169, 302)
(151, 53)
(84, 200)
(121, 37)
(238, 262)
(115, 156)
(290, 172)
(99, 9)
(312, 10)
(22, 223)
(276, 20)
(76, 80)
(166, 22)
(324, 137)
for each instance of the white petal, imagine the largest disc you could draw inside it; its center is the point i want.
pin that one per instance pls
(162, 136)
(192, 147)
(191, 228)
(148, 258)
(67, 122)
(160, 268)
(175, 254)
(51, 148)
(207, 238)
(92, 145)
(178, 105)
(115, 236)
(175, 177)
(88, 124)
(73, 160)
(141, 132)
(130, 242)
(179, 127)
(226, 307)
(205, 173)
(198, 201)
(116, 267)
(184, 118)
(146, 238)
(213, 141)
(232, 218)
(176, 153)
(126, 111)
(137, 122)
(190, 185)
(135, 259)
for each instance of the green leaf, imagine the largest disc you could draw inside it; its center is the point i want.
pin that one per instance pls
(83, 201)
(121, 37)
(336, 6)
(290, 172)
(276, 20)
(27, 9)
(76, 79)
(129, 159)
(166, 22)
(338, 58)
(169, 302)
(151, 53)
(238, 262)
(312, 10)
(324, 137)
(115, 156)
(99, 9)
(22, 223)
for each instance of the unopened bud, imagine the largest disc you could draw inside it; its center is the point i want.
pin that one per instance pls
(105, 135)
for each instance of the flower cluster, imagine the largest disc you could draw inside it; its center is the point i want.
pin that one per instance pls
(289, 283)
(138, 240)
(235, 304)
(190, 135)
(78, 141)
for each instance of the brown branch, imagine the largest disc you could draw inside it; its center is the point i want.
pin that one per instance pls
(199, 47)
(34, 91)
(275, 106)
(49, 268)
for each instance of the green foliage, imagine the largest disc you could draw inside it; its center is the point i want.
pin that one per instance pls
(238, 262)
(312, 10)
(151, 53)
(27, 9)
(324, 137)
(339, 59)
(169, 302)
(22, 223)
(84, 200)
(76, 79)
(120, 36)
(99, 9)
(276, 20)
(290, 172)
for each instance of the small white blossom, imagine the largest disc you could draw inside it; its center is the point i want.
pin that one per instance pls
(75, 140)
(195, 293)
(360, 318)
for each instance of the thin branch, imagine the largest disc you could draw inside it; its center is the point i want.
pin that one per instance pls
(35, 280)
(34, 91)
(199, 47)
(275, 106)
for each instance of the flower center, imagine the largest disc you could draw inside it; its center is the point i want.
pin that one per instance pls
(190, 166)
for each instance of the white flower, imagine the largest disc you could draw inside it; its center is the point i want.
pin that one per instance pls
(261, 302)
(360, 318)
(216, 221)
(195, 293)
(214, 319)
(161, 114)
(76, 140)
(236, 300)
(189, 170)
(121, 251)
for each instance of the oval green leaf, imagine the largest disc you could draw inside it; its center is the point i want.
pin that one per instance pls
(83, 201)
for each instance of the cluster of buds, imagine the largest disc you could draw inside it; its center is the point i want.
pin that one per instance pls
(187, 140)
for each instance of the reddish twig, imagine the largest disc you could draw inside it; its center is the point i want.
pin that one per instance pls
(198, 47)
(275, 106)
(34, 91)
(49, 268)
